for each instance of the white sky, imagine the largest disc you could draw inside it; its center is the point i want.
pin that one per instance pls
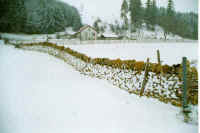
(108, 10)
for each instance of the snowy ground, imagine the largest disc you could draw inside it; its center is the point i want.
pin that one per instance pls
(41, 94)
(13, 36)
(171, 53)
(39, 37)
(140, 35)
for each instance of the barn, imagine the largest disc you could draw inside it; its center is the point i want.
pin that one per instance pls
(87, 32)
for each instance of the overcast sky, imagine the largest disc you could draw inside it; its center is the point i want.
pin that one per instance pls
(108, 10)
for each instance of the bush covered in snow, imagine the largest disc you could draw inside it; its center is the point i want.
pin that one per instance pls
(37, 16)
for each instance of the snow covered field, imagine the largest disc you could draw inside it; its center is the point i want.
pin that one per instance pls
(23, 37)
(41, 94)
(171, 53)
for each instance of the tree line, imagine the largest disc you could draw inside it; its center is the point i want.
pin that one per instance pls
(183, 24)
(133, 15)
(37, 16)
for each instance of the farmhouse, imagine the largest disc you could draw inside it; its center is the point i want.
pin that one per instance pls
(87, 33)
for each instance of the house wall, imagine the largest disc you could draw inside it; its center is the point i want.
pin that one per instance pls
(88, 34)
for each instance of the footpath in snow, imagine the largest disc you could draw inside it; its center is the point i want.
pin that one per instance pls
(41, 94)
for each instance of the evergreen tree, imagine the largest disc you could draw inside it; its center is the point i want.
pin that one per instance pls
(170, 8)
(12, 13)
(153, 13)
(37, 16)
(117, 27)
(169, 19)
(148, 13)
(135, 9)
(124, 12)
(170, 15)
(96, 24)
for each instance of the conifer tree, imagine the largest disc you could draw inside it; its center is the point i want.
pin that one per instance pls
(148, 13)
(153, 13)
(170, 8)
(168, 19)
(135, 9)
(37, 16)
(170, 16)
(96, 24)
(124, 12)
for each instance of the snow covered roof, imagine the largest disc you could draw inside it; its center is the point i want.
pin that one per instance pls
(85, 27)
(110, 35)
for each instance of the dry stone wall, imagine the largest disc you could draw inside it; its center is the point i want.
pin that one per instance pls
(166, 87)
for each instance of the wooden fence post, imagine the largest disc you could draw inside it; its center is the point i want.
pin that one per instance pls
(184, 82)
(186, 109)
(158, 56)
(159, 63)
(145, 77)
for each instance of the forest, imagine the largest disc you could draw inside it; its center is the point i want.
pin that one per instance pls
(37, 16)
(50, 16)
(134, 13)
(183, 24)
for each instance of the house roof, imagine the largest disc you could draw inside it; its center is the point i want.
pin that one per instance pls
(85, 27)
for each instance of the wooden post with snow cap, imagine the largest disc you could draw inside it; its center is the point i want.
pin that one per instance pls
(159, 62)
(184, 97)
(145, 77)
(158, 56)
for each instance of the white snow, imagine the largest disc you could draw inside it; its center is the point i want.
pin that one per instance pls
(36, 37)
(70, 31)
(157, 34)
(171, 53)
(1, 42)
(110, 35)
(13, 36)
(41, 94)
